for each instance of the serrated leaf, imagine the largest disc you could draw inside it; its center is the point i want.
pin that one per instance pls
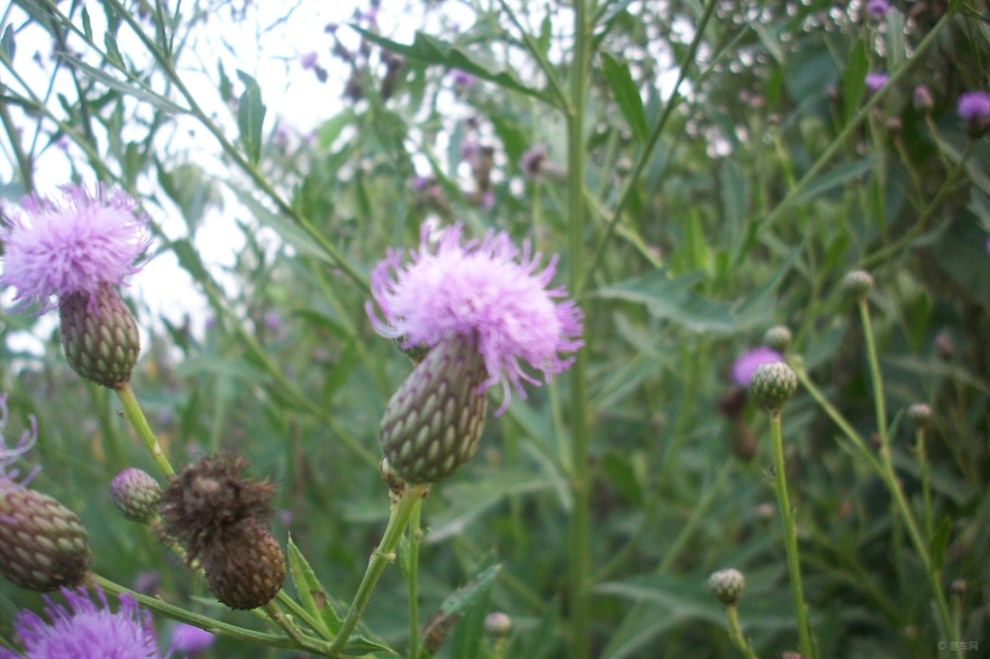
(436, 628)
(672, 299)
(113, 53)
(7, 44)
(127, 88)
(431, 50)
(837, 177)
(312, 594)
(626, 94)
(87, 25)
(289, 232)
(250, 117)
(854, 80)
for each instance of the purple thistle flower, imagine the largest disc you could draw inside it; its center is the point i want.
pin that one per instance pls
(974, 105)
(87, 631)
(487, 291)
(875, 80)
(747, 363)
(462, 79)
(8, 456)
(73, 247)
(308, 61)
(189, 640)
(877, 8)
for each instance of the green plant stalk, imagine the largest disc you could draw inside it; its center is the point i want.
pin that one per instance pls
(890, 476)
(412, 580)
(790, 538)
(579, 536)
(134, 414)
(251, 636)
(926, 477)
(735, 632)
(401, 512)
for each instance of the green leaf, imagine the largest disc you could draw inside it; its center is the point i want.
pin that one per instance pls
(672, 299)
(626, 94)
(87, 25)
(854, 80)
(7, 45)
(837, 177)
(431, 50)
(362, 644)
(311, 592)
(330, 130)
(127, 88)
(896, 51)
(250, 117)
(450, 611)
(113, 53)
(290, 232)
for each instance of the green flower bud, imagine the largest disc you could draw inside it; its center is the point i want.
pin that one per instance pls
(773, 385)
(100, 336)
(858, 284)
(778, 337)
(498, 623)
(43, 545)
(434, 421)
(727, 585)
(136, 495)
(920, 414)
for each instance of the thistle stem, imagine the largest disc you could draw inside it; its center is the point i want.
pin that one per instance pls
(412, 580)
(134, 414)
(735, 632)
(790, 537)
(402, 511)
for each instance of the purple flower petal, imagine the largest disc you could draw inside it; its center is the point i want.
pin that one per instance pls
(747, 363)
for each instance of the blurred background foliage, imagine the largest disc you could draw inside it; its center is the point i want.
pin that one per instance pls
(770, 179)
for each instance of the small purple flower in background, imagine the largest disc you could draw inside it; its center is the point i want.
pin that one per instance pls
(56, 249)
(533, 159)
(462, 79)
(308, 61)
(488, 292)
(188, 640)
(8, 456)
(974, 108)
(877, 8)
(419, 183)
(747, 363)
(85, 630)
(875, 81)
(146, 582)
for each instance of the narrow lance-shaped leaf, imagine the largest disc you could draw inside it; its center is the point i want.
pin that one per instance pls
(626, 94)
(250, 117)
(312, 594)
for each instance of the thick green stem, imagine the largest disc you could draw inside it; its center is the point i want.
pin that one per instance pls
(579, 552)
(401, 512)
(790, 538)
(132, 410)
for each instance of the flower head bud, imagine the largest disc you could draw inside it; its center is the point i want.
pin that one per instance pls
(773, 385)
(498, 623)
(727, 585)
(244, 566)
(778, 337)
(43, 545)
(974, 108)
(958, 587)
(136, 494)
(434, 421)
(100, 336)
(920, 415)
(858, 284)
(922, 100)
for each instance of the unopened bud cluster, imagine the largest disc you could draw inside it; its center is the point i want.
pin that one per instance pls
(773, 385)
(136, 495)
(100, 336)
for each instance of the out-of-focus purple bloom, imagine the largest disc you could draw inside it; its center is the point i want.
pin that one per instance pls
(747, 363)
(9, 455)
(308, 61)
(878, 8)
(420, 183)
(462, 79)
(273, 321)
(974, 108)
(85, 630)
(875, 80)
(189, 640)
(533, 159)
(146, 582)
(488, 199)
(470, 148)
(487, 291)
(73, 247)
(921, 99)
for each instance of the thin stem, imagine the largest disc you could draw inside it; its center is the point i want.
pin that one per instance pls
(399, 516)
(925, 474)
(579, 551)
(890, 476)
(134, 414)
(412, 580)
(790, 537)
(735, 632)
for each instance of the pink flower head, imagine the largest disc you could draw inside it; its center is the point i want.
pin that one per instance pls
(875, 81)
(488, 291)
(8, 456)
(877, 8)
(308, 61)
(55, 249)
(462, 79)
(747, 363)
(87, 631)
(190, 640)
(974, 105)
